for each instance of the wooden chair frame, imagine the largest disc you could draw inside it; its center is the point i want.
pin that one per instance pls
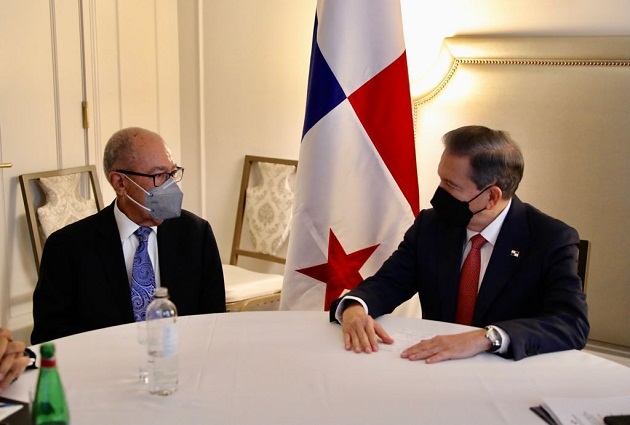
(237, 251)
(250, 303)
(240, 212)
(28, 194)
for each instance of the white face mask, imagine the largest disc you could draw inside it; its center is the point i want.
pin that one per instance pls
(162, 202)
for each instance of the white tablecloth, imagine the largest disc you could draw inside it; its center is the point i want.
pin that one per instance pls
(291, 368)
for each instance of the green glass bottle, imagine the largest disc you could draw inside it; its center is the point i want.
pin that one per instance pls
(49, 406)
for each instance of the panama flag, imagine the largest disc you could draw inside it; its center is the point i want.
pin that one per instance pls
(357, 185)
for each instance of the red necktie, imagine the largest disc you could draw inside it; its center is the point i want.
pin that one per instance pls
(469, 282)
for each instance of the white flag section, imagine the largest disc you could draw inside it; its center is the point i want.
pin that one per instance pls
(357, 185)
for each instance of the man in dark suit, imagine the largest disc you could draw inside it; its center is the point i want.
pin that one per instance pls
(527, 292)
(86, 280)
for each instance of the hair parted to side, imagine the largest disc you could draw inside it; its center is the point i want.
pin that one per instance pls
(119, 151)
(495, 157)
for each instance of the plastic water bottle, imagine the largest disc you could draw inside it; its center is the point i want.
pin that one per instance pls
(49, 406)
(143, 357)
(162, 344)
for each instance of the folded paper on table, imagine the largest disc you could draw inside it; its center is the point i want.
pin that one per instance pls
(587, 411)
(11, 412)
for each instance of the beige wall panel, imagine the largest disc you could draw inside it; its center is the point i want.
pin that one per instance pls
(103, 78)
(190, 106)
(256, 69)
(39, 129)
(167, 66)
(137, 63)
(72, 147)
(134, 66)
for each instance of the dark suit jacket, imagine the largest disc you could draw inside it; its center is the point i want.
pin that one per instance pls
(83, 283)
(535, 295)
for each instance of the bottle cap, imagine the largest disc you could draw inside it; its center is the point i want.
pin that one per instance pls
(161, 292)
(47, 350)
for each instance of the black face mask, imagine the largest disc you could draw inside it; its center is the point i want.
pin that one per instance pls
(452, 210)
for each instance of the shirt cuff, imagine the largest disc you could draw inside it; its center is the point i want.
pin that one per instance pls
(505, 340)
(342, 305)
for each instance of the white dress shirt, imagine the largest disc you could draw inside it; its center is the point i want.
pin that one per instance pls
(130, 243)
(490, 234)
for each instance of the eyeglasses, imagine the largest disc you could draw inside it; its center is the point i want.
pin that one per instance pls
(160, 178)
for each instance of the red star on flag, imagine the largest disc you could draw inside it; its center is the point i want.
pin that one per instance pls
(341, 271)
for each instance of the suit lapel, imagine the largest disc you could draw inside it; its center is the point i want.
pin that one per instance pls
(167, 250)
(449, 257)
(514, 236)
(110, 253)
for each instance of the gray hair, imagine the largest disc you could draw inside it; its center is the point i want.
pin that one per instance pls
(119, 151)
(495, 157)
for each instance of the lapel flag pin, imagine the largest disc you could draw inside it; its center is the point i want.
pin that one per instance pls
(514, 253)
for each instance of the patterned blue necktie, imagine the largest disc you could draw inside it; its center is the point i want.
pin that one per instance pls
(142, 276)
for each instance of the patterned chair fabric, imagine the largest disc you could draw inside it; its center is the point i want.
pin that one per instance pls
(64, 203)
(265, 208)
(268, 207)
(54, 199)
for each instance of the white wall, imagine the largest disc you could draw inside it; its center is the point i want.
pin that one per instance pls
(255, 67)
(426, 23)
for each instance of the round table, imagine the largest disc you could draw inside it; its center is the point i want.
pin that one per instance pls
(291, 368)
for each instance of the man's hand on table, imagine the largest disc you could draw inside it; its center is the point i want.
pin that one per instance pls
(360, 331)
(449, 347)
(12, 359)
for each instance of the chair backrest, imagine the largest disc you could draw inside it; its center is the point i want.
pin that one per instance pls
(264, 208)
(54, 199)
(583, 261)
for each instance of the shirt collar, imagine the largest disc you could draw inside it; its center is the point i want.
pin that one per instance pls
(491, 232)
(126, 227)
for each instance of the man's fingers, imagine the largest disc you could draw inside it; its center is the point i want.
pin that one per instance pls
(6, 333)
(422, 350)
(354, 340)
(356, 343)
(370, 342)
(430, 356)
(382, 334)
(12, 366)
(360, 336)
(347, 341)
(361, 341)
(446, 347)
(7, 380)
(20, 364)
(4, 344)
(5, 365)
(367, 339)
(439, 357)
(15, 347)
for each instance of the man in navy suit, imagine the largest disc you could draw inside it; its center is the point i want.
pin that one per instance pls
(529, 295)
(86, 268)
